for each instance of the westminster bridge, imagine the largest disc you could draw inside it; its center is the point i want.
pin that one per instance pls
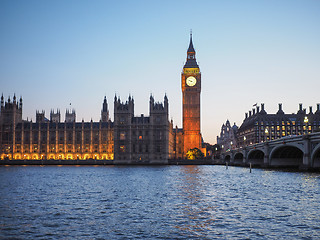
(292, 151)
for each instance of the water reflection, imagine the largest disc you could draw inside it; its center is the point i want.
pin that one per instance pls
(173, 202)
(197, 211)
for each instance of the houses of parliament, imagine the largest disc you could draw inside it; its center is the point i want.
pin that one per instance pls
(127, 139)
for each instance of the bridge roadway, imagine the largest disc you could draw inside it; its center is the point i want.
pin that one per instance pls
(301, 151)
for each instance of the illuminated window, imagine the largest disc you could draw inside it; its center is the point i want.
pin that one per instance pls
(122, 148)
(140, 137)
(283, 133)
(278, 128)
(293, 123)
(122, 136)
(283, 127)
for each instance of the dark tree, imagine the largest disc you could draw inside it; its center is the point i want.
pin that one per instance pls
(194, 153)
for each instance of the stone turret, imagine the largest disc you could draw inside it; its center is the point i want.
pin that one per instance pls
(159, 111)
(105, 111)
(11, 112)
(70, 115)
(40, 116)
(123, 112)
(2, 101)
(55, 117)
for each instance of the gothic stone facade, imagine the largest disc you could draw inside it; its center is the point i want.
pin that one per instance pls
(228, 137)
(260, 126)
(129, 139)
(52, 139)
(142, 139)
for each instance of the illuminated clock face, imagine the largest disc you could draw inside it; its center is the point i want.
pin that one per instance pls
(191, 81)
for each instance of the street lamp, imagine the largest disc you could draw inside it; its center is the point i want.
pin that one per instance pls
(306, 120)
(266, 133)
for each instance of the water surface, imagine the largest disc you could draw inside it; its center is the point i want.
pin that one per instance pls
(157, 202)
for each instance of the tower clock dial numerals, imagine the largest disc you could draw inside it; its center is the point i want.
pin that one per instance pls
(191, 81)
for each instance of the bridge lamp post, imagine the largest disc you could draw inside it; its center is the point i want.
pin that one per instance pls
(306, 120)
(266, 131)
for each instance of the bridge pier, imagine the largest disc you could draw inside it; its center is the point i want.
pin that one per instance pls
(307, 151)
(266, 160)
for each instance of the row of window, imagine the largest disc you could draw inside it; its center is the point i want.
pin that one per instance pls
(158, 135)
(140, 148)
(315, 123)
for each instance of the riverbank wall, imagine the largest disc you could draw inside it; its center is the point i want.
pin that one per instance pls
(170, 162)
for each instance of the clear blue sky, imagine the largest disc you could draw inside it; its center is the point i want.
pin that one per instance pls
(54, 53)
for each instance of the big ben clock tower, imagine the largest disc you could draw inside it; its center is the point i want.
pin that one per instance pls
(191, 89)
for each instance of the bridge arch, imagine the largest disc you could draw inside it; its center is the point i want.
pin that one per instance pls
(227, 158)
(238, 157)
(290, 155)
(256, 156)
(315, 156)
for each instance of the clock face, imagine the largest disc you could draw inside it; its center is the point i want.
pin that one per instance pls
(191, 81)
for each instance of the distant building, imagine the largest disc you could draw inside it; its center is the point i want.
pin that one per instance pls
(44, 139)
(145, 138)
(129, 139)
(259, 126)
(228, 137)
(191, 91)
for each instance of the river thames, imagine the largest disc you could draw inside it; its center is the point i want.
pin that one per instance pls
(157, 202)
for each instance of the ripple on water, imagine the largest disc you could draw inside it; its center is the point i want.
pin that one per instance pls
(169, 202)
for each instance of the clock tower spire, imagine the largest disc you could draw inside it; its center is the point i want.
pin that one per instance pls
(191, 89)
(191, 56)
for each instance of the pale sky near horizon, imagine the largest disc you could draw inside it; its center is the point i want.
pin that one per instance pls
(54, 53)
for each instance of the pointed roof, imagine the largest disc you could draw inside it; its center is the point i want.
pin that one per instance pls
(191, 48)
(191, 56)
